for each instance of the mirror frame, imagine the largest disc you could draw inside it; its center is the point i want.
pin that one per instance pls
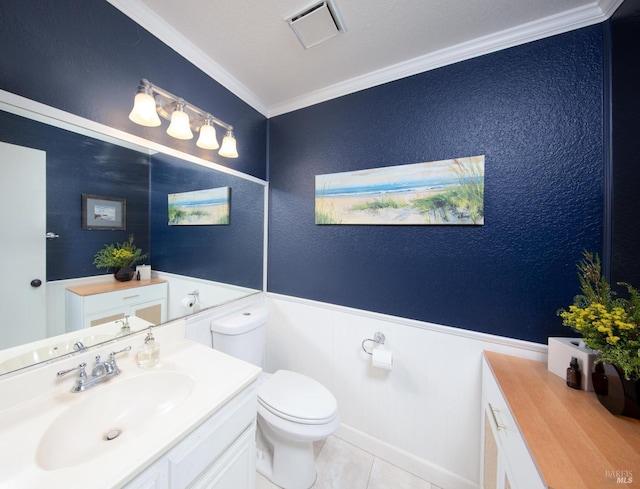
(39, 112)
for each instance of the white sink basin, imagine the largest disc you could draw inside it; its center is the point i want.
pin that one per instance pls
(55, 439)
(109, 414)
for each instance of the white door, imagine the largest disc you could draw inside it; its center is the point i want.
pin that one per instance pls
(23, 211)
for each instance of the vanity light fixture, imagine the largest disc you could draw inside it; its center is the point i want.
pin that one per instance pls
(152, 102)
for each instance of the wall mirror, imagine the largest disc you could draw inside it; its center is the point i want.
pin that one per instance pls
(224, 262)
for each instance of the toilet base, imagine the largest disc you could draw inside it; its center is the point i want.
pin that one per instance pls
(286, 463)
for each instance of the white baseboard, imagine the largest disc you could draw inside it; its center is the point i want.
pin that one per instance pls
(419, 467)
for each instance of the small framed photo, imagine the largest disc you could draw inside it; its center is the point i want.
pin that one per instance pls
(99, 212)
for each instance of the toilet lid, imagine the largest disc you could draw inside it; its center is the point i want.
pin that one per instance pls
(297, 397)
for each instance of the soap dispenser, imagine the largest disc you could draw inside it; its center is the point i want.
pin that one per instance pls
(125, 329)
(149, 352)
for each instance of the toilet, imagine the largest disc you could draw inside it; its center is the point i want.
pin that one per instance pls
(293, 410)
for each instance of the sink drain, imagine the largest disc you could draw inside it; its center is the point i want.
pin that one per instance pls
(112, 434)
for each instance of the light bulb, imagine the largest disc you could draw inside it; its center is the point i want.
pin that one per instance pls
(144, 110)
(207, 139)
(228, 149)
(179, 127)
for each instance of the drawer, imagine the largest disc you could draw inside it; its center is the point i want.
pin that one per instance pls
(134, 295)
(497, 408)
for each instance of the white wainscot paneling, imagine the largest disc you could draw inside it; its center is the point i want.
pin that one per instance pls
(210, 293)
(422, 415)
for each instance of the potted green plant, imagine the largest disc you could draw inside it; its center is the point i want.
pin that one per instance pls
(121, 257)
(609, 325)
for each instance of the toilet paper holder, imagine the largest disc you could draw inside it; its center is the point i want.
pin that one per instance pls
(378, 338)
(190, 301)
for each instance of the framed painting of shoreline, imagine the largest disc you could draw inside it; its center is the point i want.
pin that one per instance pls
(207, 207)
(447, 192)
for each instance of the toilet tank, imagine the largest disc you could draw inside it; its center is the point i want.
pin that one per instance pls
(242, 334)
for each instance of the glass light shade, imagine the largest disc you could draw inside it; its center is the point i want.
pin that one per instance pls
(207, 139)
(179, 127)
(144, 110)
(228, 149)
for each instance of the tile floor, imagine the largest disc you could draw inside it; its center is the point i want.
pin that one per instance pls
(343, 466)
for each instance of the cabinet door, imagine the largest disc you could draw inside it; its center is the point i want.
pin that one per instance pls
(495, 468)
(490, 456)
(105, 317)
(236, 469)
(154, 311)
(506, 461)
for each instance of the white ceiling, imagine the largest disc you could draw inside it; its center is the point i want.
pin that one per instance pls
(248, 47)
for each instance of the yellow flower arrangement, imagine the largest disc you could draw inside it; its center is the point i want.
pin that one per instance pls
(119, 255)
(606, 324)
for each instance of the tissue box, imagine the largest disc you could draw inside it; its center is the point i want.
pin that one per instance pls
(560, 352)
(145, 272)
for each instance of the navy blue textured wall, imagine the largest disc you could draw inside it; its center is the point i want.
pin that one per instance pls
(87, 58)
(79, 164)
(535, 111)
(227, 253)
(625, 37)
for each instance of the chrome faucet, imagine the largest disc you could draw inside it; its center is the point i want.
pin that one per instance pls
(102, 371)
(99, 369)
(79, 345)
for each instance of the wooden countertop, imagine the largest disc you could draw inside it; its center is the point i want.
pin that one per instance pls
(574, 441)
(112, 286)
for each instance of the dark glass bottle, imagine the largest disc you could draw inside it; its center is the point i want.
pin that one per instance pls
(600, 380)
(573, 374)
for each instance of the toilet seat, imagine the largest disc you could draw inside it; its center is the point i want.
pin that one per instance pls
(297, 398)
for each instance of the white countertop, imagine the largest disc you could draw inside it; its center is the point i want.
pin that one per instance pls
(31, 402)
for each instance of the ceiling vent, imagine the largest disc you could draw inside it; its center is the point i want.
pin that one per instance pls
(316, 24)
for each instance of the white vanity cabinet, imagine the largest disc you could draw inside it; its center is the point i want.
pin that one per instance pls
(218, 454)
(95, 304)
(506, 461)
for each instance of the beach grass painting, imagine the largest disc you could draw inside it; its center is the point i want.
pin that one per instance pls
(199, 207)
(437, 192)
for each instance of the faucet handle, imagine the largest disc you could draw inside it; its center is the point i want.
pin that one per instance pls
(114, 353)
(80, 367)
(111, 366)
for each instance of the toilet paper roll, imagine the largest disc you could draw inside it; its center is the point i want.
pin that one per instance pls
(187, 302)
(382, 358)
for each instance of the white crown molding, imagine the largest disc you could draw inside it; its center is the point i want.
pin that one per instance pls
(596, 12)
(550, 26)
(148, 19)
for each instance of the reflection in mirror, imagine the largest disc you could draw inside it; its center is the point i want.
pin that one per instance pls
(192, 267)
